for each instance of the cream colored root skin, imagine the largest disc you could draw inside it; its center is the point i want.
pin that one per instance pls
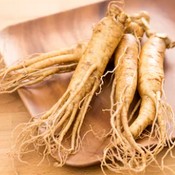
(118, 153)
(38, 68)
(69, 112)
(153, 110)
(123, 152)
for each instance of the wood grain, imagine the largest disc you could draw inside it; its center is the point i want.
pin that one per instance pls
(45, 34)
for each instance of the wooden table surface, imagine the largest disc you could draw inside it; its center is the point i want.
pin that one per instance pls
(12, 110)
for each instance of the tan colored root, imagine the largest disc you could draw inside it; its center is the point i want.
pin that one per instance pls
(134, 110)
(120, 151)
(38, 76)
(129, 154)
(51, 129)
(75, 140)
(24, 77)
(169, 126)
(124, 152)
(35, 59)
(58, 60)
(112, 94)
(136, 24)
(157, 116)
(162, 133)
(131, 140)
(158, 129)
(38, 68)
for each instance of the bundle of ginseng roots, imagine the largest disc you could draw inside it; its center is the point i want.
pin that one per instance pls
(136, 68)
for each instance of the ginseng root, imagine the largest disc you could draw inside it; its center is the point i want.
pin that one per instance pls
(123, 153)
(62, 123)
(154, 111)
(123, 90)
(36, 69)
(126, 153)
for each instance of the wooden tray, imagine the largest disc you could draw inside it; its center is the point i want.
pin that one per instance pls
(67, 28)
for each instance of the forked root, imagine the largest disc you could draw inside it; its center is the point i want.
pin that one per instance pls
(12, 84)
(36, 69)
(35, 58)
(57, 132)
(51, 131)
(125, 152)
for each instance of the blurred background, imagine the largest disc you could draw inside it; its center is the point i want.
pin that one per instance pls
(14, 11)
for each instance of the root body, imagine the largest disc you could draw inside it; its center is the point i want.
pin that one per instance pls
(58, 130)
(38, 68)
(124, 152)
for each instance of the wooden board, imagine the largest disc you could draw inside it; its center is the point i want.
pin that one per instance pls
(67, 28)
